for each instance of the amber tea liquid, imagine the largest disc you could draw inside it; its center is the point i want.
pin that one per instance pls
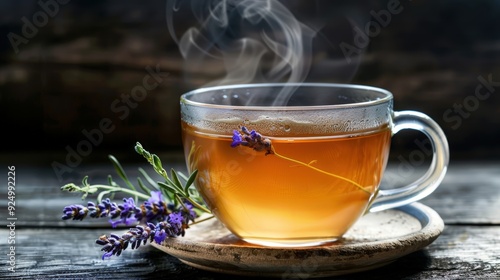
(269, 200)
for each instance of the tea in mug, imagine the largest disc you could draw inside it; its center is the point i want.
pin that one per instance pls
(313, 188)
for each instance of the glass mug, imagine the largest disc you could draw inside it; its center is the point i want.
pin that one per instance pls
(303, 173)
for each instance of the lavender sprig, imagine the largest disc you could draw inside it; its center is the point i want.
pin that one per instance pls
(128, 213)
(173, 184)
(172, 188)
(175, 226)
(251, 139)
(167, 209)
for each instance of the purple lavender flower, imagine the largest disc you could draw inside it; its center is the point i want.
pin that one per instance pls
(176, 221)
(127, 211)
(104, 209)
(75, 212)
(160, 236)
(154, 209)
(237, 139)
(251, 139)
(170, 222)
(95, 212)
(255, 136)
(114, 244)
(175, 218)
(190, 213)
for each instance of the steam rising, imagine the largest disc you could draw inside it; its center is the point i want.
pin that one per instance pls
(259, 41)
(254, 40)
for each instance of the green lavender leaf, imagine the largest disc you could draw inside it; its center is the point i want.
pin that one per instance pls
(85, 181)
(102, 194)
(110, 180)
(85, 185)
(142, 186)
(118, 167)
(190, 181)
(157, 162)
(71, 187)
(121, 172)
(138, 148)
(148, 179)
(182, 176)
(168, 187)
(176, 180)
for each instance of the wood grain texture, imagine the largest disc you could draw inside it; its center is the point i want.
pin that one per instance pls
(69, 253)
(47, 248)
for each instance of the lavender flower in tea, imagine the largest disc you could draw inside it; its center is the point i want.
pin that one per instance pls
(256, 141)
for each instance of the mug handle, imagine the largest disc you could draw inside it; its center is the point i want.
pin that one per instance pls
(422, 187)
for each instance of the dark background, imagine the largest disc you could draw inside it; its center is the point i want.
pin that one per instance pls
(64, 78)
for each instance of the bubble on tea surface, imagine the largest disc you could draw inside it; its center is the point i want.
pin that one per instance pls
(347, 125)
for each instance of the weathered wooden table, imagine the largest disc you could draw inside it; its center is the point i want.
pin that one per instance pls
(48, 248)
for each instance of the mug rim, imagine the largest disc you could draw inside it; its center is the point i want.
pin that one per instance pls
(387, 96)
